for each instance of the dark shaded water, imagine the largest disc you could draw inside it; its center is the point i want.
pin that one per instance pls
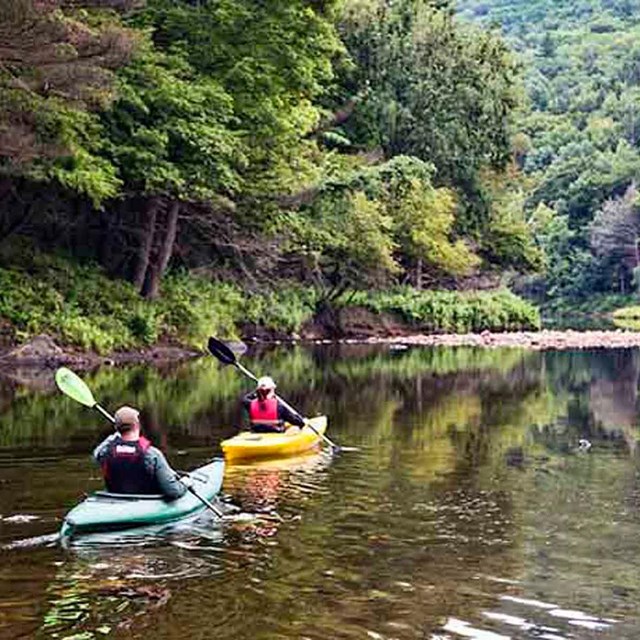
(469, 511)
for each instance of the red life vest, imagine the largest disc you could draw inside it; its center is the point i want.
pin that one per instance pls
(124, 469)
(265, 413)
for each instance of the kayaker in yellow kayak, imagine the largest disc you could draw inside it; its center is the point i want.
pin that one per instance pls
(130, 464)
(267, 414)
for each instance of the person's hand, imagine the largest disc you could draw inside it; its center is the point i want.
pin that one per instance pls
(187, 481)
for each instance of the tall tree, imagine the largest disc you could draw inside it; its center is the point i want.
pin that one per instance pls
(615, 232)
(273, 59)
(169, 139)
(435, 88)
(55, 59)
(213, 109)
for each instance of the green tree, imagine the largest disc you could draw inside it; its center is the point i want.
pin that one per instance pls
(274, 60)
(370, 226)
(57, 63)
(435, 88)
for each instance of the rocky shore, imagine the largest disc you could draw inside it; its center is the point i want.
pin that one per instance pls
(42, 352)
(548, 340)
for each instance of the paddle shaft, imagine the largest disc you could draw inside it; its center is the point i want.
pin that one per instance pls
(105, 413)
(204, 501)
(288, 406)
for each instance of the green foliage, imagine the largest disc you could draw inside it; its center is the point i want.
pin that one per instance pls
(168, 132)
(509, 241)
(56, 67)
(192, 309)
(269, 60)
(286, 309)
(215, 116)
(434, 87)
(81, 306)
(582, 129)
(367, 226)
(628, 313)
(627, 318)
(423, 222)
(595, 304)
(454, 312)
(347, 239)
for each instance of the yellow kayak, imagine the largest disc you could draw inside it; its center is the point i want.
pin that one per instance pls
(250, 446)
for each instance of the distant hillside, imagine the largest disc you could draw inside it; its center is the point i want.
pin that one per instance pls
(512, 14)
(579, 138)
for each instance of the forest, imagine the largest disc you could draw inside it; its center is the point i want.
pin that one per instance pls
(577, 139)
(170, 168)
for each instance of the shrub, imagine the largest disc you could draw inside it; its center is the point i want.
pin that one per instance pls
(80, 305)
(285, 309)
(453, 312)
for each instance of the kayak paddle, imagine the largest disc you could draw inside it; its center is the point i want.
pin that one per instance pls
(222, 352)
(75, 387)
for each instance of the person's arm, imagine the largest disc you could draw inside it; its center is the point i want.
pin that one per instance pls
(102, 449)
(286, 415)
(247, 399)
(246, 404)
(167, 479)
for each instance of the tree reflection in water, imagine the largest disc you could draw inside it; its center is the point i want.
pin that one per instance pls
(468, 500)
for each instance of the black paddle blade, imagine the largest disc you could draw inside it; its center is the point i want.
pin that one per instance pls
(221, 351)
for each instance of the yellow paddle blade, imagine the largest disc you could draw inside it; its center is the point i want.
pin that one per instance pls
(73, 386)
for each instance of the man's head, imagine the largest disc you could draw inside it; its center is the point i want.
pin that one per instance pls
(266, 387)
(127, 419)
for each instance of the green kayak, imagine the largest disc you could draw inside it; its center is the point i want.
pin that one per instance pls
(104, 511)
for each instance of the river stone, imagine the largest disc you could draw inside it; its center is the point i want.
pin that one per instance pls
(39, 350)
(238, 347)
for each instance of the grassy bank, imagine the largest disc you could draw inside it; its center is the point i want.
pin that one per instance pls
(453, 311)
(627, 318)
(80, 306)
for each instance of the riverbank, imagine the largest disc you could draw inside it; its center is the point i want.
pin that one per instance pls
(43, 353)
(85, 311)
(538, 340)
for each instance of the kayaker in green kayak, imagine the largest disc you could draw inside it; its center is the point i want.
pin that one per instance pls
(130, 464)
(266, 413)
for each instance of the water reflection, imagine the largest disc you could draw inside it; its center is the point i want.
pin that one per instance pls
(469, 510)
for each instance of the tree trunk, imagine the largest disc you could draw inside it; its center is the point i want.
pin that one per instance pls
(147, 233)
(163, 253)
(419, 274)
(12, 227)
(107, 227)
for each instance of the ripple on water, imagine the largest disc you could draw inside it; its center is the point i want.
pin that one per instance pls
(465, 513)
(528, 618)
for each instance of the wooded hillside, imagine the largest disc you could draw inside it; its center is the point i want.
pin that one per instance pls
(578, 138)
(335, 146)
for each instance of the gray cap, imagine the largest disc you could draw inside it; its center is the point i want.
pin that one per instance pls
(127, 416)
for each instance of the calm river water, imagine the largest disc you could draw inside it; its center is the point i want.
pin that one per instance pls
(470, 509)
